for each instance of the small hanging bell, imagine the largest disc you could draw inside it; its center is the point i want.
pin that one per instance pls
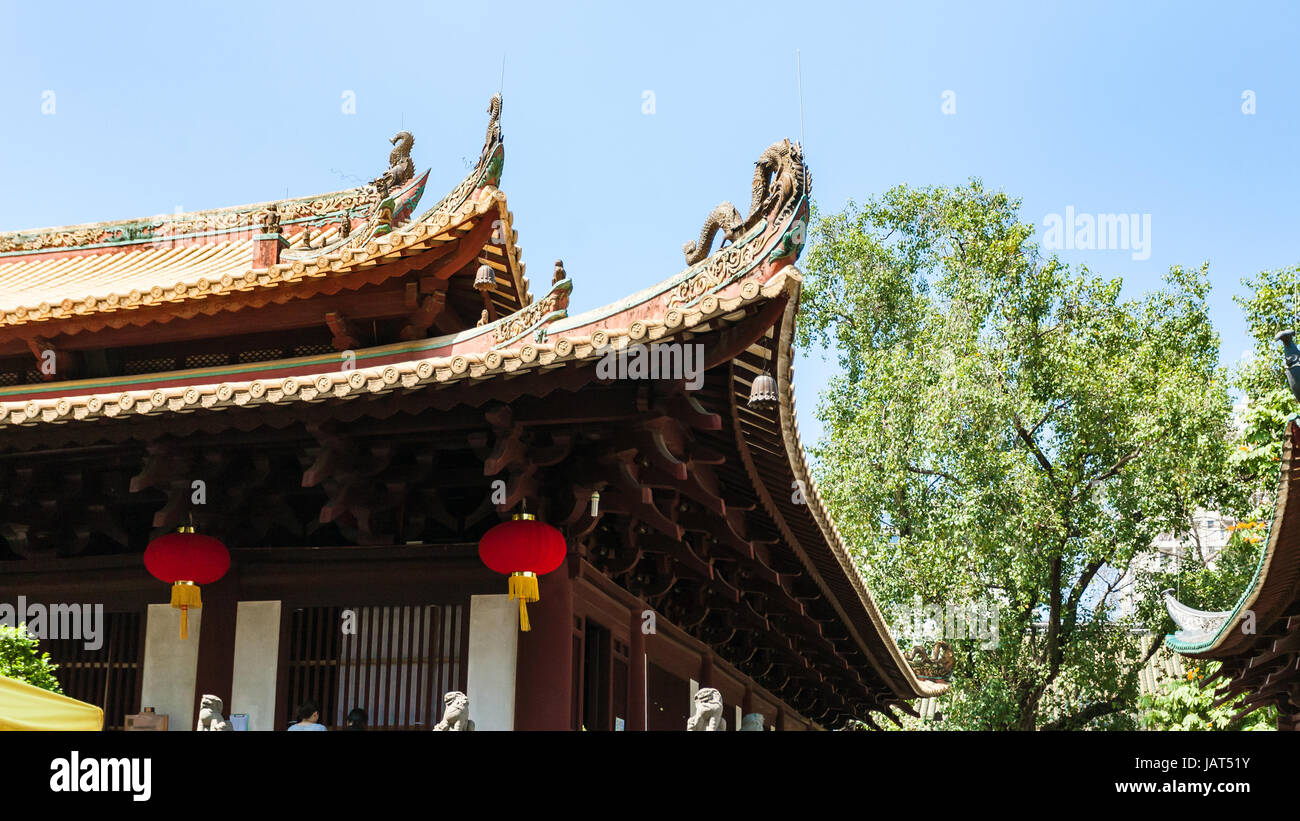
(762, 394)
(486, 279)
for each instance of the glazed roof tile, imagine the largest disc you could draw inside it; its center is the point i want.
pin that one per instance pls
(30, 281)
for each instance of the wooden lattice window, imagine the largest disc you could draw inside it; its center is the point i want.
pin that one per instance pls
(155, 365)
(108, 677)
(206, 360)
(312, 350)
(261, 355)
(396, 665)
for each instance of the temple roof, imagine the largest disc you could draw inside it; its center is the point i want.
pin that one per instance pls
(741, 299)
(1272, 592)
(69, 278)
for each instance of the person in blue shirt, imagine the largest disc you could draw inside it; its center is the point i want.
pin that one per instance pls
(308, 718)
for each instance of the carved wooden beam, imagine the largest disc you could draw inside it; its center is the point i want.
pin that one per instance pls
(346, 335)
(427, 300)
(53, 364)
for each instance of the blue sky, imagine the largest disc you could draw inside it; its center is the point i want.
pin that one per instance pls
(1108, 108)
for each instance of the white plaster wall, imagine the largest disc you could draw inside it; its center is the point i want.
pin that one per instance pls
(170, 665)
(493, 652)
(257, 655)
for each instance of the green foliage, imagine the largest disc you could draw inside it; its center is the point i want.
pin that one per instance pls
(1183, 704)
(1271, 305)
(22, 659)
(1004, 429)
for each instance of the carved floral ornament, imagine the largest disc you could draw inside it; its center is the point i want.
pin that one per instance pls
(575, 344)
(519, 323)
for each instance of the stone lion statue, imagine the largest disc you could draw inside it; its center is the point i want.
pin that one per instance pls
(708, 712)
(211, 718)
(455, 715)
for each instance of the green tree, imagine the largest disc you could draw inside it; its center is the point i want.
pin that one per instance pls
(1183, 704)
(21, 658)
(1271, 304)
(1008, 430)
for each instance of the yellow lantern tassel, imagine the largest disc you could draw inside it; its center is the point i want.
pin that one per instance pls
(523, 586)
(184, 596)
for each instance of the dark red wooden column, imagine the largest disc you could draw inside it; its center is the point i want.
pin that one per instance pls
(636, 703)
(544, 676)
(215, 671)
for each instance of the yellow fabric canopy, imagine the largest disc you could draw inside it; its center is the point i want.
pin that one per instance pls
(24, 707)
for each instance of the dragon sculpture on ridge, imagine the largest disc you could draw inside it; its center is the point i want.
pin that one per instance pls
(779, 174)
(400, 165)
(493, 129)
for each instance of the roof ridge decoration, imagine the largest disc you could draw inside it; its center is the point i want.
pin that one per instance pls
(477, 193)
(700, 292)
(779, 177)
(386, 211)
(487, 171)
(401, 169)
(779, 209)
(166, 227)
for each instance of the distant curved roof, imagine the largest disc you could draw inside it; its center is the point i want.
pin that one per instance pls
(1273, 590)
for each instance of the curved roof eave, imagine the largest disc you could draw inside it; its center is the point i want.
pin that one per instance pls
(1274, 584)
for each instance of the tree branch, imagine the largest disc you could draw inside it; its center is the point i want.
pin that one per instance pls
(1092, 711)
(922, 472)
(1058, 406)
(939, 473)
(1028, 439)
(1076, 593)
(1107, 474)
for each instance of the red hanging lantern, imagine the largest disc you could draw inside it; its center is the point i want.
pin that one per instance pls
(523, 548)
(186, 560)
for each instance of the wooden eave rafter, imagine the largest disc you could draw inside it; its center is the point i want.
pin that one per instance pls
(774, 458)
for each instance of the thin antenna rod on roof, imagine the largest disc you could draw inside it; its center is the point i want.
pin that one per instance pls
(501, 88)
(798, 80)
